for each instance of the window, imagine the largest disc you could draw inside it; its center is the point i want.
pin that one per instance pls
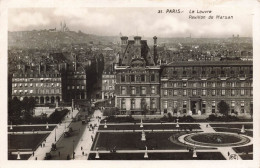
(123, 90)
(153, 89)
(242, 106)
(233, 84)
(223, 84)
(132, 78)
(122, 78)
(223, 92)
(203, 92)
(184, 84)
(242, 84)
(242, 92)
(72, 87)
(194, 84)
(15, 91)
(31, 84)
(165, 92)
(213, 106)
(203, 107)
(165, 84)
(68, 87)
(142, 78)
(15, 85)
(213, 92)
(133, 104)
(153, 103)
(21, 85)
(123, 104)
(204, 84)
(165, 104)
(233, 106)
(143, 90)
(213, 84)
(232, 92)
(152, 77)
(57, 91)
(184, 106)
(175, 92)
(194, 92)
(184, 92)
(133, 90)
(174, 84)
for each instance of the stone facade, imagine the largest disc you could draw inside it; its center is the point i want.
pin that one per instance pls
(198, 87)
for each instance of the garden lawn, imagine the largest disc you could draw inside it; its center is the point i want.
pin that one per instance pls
(30, 128)
(239, 126)
(23, 157)
(150, 127)
(26, 141)
(158, 156)
(248, 133)
(247, 156)
(132, 141)
(245, 149)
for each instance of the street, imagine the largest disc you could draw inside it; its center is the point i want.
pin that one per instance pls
(65, 145)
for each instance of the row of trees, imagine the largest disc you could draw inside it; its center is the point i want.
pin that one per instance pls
(20, 110)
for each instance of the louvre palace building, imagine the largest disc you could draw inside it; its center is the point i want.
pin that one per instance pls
(184, 87)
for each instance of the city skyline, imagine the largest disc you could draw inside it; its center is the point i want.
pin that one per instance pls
(144, 21)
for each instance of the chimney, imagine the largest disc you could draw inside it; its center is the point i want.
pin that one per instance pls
(155, 49)
(124, 40)
(137, 40)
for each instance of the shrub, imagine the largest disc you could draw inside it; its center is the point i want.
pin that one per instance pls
(228, 118)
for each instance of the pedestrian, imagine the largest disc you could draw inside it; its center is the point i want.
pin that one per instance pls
(36, 158)
(43, 144)
(81, 148)
(228, 153)
(59, 153)
(83, 153)
(33, 153)
(207, 126)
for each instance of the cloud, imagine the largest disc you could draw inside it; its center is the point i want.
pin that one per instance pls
(27, 19)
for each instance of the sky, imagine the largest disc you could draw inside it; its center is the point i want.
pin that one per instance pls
(143, 21)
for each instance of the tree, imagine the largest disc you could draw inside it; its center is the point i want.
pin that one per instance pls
(14, 109)
(223, 107)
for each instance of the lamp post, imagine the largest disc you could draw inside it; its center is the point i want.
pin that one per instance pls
(73, 150)
(177, 123)
(55, 133)
(105, 126)
(11, 127)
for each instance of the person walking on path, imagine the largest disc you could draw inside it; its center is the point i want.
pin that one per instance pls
(81, 148)
(33, 153)
(228, 153)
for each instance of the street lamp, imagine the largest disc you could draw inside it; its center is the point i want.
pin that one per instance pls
(73, 149)
(55, 133)
(177, 123)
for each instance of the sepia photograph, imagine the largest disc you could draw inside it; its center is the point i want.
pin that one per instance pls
(133, 83)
